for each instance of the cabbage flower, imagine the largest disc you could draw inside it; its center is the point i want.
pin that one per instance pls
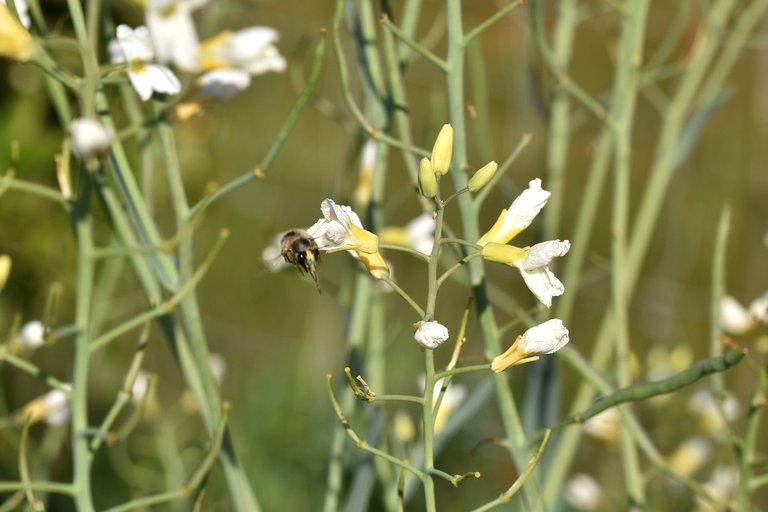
(340, 229)
(208, 89)
(15, 41)
(532, 262)
(173, 32)
(251, 49)
(136, 49)
(545, 338)
(431, 334)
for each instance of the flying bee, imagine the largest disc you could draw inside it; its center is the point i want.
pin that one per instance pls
(300, 250)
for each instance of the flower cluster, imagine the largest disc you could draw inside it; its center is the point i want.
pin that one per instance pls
(224, 63)
(340, 229)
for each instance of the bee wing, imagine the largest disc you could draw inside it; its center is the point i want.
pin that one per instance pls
(271, 255)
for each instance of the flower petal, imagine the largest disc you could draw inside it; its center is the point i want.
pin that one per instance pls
(543, 284)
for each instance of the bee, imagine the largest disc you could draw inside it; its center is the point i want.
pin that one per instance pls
(300, 250)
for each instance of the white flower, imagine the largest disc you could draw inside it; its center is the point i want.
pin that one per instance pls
(146, 77)
(32, 335)
(537, 276)
(582, 492)
(218, 366)
(421, 233)
(714, 416)
(758, 308)
(720, 485)
(545, 338)
(210, 88)
(603, 426)
(140, 387)
(89, 138)
(452, 398)
(340, 229)
(519, 216)
(52, 408)
(251, 49)
(734, 318)
(431, 334)
(362, 193)
(173, 32)
(690, 456)
(22, 9)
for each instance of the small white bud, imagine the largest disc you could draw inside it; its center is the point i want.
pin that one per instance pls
(90, 138)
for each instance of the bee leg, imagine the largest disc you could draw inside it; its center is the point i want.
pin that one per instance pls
(314, 277)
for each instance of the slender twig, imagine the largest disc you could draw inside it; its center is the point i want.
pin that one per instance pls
(413, 45)
(359, 442)
(402, 293)
(497, 16)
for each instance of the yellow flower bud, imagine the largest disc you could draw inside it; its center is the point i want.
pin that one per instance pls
(482, 177)
(5, 269)
(15, 42)
(442, 150)
(375, 264)
(427, 179)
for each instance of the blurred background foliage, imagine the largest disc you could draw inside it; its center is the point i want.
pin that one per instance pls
(279, 337)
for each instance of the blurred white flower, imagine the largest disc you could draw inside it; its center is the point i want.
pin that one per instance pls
(582, 492)
(15, 42)
(362, 194)
(603, 426)
(519, 216)
(403, 427)
(720, 486)
(251, 49)
(209, 89)
(690, 456)
(218, 366)
(713, 416)
(421, 233)
(90, 138)
(22, 9)
(52, 408)
(145, 76)
(173, 32)
(758, 308)
(452, 398)
(32, 335)
(431, 334)
(545, 338)
(418, 234)
(140, 387)
(734, 318)
(664, 361)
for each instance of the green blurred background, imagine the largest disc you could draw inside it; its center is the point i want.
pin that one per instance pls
(279, 337)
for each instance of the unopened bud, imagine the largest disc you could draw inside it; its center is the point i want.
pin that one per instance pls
(427, 179)
(90, 139)
(482, 177)
(442, 150)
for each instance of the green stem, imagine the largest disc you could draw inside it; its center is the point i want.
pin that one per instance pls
(428, 419)
(402, 293)
(82, 455)
(469, 220)
(413, 45)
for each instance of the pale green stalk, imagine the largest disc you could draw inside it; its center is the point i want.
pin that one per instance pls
(664, 163)
(469, 220)
(718, 290)
(630, 57)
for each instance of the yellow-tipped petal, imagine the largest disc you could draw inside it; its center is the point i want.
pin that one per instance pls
(15, 41)
(494, 229)
(427, 179)
(506, 254)
(482, 177)
(442, 150)
(365, 241)
(375, 264)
